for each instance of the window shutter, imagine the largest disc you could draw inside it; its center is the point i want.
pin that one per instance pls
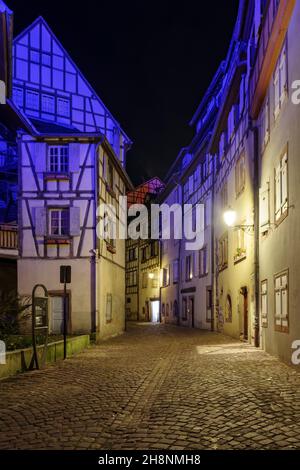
(276, 92)
(284, 184)
(264, 212)
(283, 75)
(40, 157)
(74, 157)
(277, 193)
(40, 216)
(74, 221)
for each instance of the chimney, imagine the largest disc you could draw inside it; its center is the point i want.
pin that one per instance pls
(6, 39)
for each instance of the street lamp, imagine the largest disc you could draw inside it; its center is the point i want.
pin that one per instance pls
(151, 275)
(229, 217)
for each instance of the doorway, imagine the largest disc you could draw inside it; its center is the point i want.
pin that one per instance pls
(155, 311)
(191, 312)
(244, 292)
(57, 314)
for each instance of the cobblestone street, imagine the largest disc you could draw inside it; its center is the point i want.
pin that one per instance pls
(156, 387)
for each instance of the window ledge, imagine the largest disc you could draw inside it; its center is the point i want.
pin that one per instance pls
(239, 258)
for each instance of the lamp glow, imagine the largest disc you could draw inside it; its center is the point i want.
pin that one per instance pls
(151, 276)
(229, 217)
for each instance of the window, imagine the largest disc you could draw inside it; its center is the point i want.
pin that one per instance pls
(240, 175)
(167, 310)
(59, 222)
(58, 159)
(265, 124)
(18, 96)
(228, 309)
(153, 249)
(231, 123)
(63, 107)
(48, 104)
(184, 308)
(240, 249)
(131, 278)
(175, 271)
(281, 302)
(208, 304)
(264, 208)
(188, 268)
(132, 254)
(165, 277)
(108, 308)
(203, 262)
(32, 100)
(281, 189)
(264, 303)
(186, 191)
(144, 254)
(155, 280)
(224, 196)
(110, 176)
(145, 280)
(223, 252)
(280, 81)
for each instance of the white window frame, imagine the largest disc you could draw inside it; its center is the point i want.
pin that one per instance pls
(281, 188)
(264, 303)
(203, 264)
(280, 82)
(61, 154)
(59, 211)
(281, 301)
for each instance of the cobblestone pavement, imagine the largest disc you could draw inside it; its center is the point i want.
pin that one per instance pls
(156, 387)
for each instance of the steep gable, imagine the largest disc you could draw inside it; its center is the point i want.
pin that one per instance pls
(48, 85)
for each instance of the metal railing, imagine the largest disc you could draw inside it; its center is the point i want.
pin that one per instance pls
(9, 237)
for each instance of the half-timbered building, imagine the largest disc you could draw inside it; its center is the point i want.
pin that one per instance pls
(72, 160)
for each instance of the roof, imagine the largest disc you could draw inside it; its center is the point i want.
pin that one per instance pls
(47, 127)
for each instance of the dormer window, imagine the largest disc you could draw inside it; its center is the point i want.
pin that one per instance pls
(58, 158)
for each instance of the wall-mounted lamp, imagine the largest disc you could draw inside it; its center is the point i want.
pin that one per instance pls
(229, 217)
(151, 275)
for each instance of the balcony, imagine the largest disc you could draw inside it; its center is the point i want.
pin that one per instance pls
(272, 34)
(8, 240)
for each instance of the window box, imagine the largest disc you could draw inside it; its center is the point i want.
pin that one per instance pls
(239, 255)
(57, 240)
(56, 177)
(111, 248)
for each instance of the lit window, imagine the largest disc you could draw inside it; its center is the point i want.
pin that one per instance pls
(59, 222)
(63, 107)
(281, 302)
(32, 100)
(240, 249)
(59, 159)
(188, 268)
(48, 104)
(165, 277)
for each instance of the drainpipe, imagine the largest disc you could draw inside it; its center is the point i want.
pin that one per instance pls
(212, 249)
(256, 233)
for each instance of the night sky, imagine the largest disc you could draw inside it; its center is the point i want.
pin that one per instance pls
(149, 61)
